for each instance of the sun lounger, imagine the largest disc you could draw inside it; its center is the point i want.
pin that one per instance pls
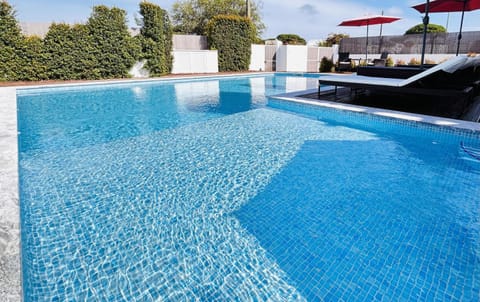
(388, 72)
(380, 62)
(421, 84)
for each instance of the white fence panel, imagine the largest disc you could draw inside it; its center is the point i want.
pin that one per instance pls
(203, 61)
(257, 59)
(292, 58)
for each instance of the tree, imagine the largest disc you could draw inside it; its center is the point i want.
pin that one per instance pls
(192, 16)
(291, 39)
(431, 28)
(333, 39)
(156, 39)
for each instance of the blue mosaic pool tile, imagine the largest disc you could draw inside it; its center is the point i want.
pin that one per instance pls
(386, 249)
(93, 236)
(382, 124)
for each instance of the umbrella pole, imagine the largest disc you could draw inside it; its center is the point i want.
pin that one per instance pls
(366, 48)
(425, 27)
(461, 25)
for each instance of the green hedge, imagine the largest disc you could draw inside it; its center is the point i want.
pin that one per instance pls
(100, 49)
(20, 58)
(103, 48)
(32, 67)
(111, 44)
(69, 53)
(232, 36)
(156, 39)
(11, 41)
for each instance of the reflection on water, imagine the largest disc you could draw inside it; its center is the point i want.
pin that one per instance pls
(66, 118)
(197, 96)
(139, 93)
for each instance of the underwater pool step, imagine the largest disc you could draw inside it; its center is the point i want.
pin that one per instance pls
(472, 152)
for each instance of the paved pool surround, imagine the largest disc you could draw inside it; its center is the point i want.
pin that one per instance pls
(10, 268)
(10, 276)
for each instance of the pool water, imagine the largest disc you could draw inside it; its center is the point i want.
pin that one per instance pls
(207, 190)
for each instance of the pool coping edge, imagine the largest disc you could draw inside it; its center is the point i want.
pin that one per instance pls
(461, 125)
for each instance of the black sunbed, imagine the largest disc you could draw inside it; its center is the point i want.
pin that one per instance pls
(424, 83)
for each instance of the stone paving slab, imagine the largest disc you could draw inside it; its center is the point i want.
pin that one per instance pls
(10, 284)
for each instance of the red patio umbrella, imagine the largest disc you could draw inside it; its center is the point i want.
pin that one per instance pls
(367, 21)
(445, 6)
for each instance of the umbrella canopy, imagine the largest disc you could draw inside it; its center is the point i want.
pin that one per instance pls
(445, 6)
(369, 20)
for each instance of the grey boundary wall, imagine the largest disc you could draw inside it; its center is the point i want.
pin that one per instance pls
(437, 43)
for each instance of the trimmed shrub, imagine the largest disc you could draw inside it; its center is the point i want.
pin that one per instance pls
(68, 53)
(20, 58)
(414, 61)
(389, 62)
(32, 64)
(291, 39)
(232, 36)
(333, 39)
(156, 39)
(111, 43)
(258, 41)
(431, 28)
(326, 65)
(103, 48)
(11, 40)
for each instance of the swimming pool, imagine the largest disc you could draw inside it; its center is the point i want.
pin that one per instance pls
(208, 190)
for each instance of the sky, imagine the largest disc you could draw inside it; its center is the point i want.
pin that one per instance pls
(312, 20)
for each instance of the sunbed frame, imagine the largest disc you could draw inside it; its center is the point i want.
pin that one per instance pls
(451, 92)
(424, 83)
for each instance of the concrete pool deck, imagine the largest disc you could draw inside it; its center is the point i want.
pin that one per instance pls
(10, 269)
(10, 276)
